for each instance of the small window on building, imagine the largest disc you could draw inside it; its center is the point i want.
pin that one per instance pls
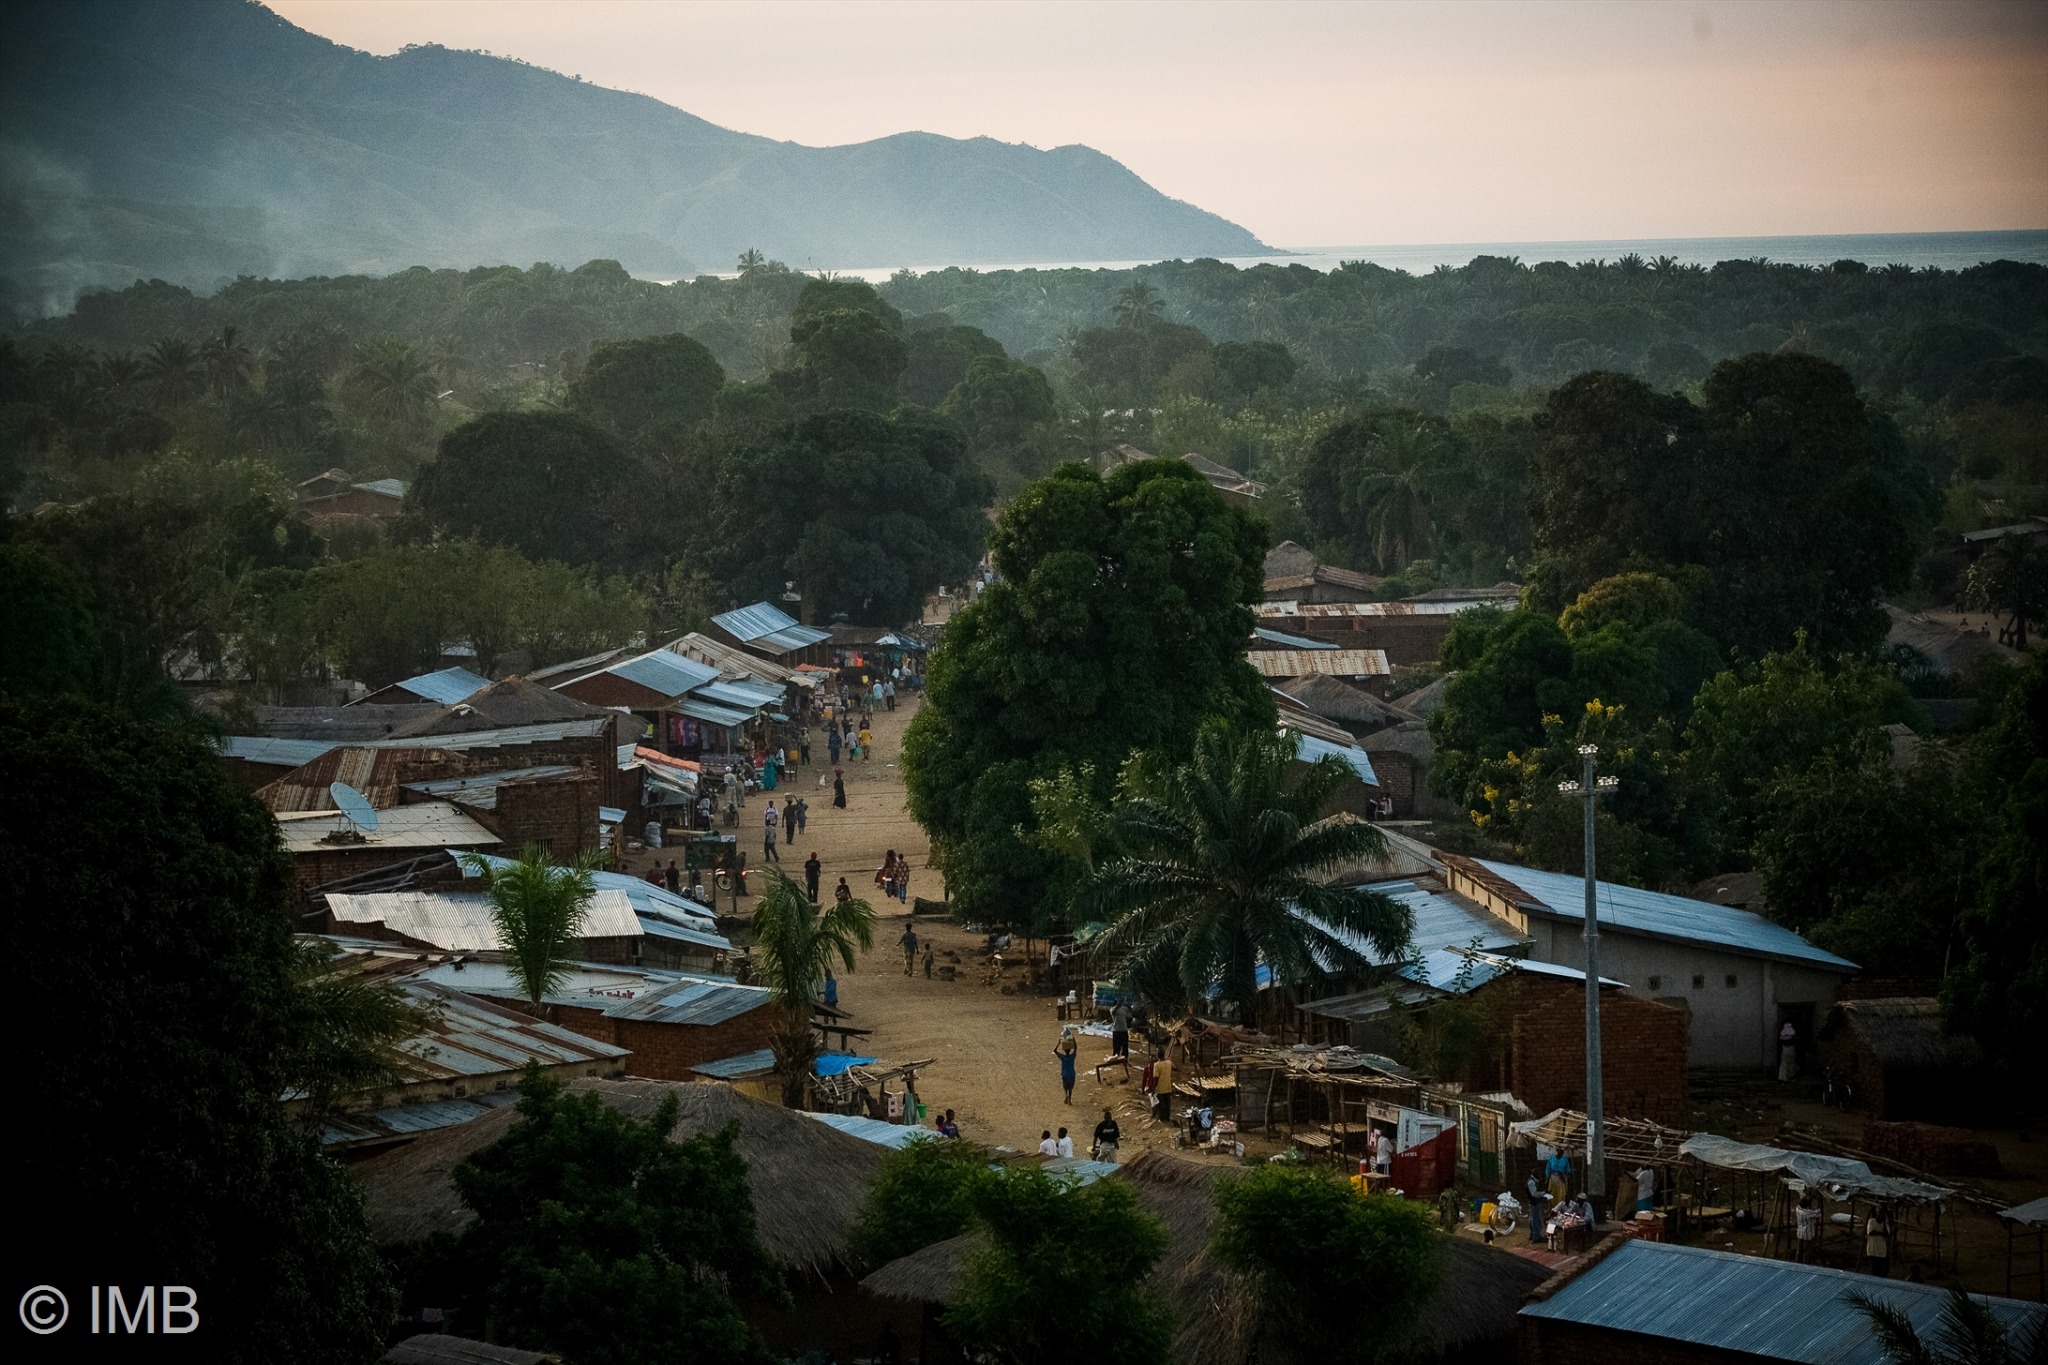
(1699, 982)
(1656, 983)
(1731, 980)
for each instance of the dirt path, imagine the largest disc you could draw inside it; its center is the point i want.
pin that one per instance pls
(993, 1063)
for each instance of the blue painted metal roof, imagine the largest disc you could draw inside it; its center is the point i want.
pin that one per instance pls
(282, 753)
(746, 696)
(875, 1130)
(712, 713)
(1630, 908)
(1353, 756)
(1770, 1310)
(683, 933)
(1283, 639)
(446, 686)
(753, 1063)
(692, 1002)
(665, 673)
(661, 912)
(762, 624)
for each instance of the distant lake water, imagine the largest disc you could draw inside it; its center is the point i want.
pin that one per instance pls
(1948, 250)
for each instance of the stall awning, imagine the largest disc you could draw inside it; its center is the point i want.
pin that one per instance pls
(1851, 1177)
(712, 714)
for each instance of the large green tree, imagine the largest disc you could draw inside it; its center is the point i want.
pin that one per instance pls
(1062, 1273)
(1117, 623)
(608, 1239)
(553, 485)
(161, 973)
(1305, 1241)
(626, 386)
(865, 513)
(1801, 504)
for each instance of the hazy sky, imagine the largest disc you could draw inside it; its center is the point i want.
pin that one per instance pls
(1322, 124)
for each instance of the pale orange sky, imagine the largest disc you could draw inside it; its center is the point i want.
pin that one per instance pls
(1323, 124)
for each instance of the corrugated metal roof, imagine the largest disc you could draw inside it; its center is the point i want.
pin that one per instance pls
(1302, 663)
(1771, 1310)
(763, 624)
(406, 1120)
(692, 1002)
(745, 695)
(1310, 611)
(390, 488)
(1286, 641)
(874, 1130)
(481, 792)
(280, 753)
(711, 713)
(432, 824)
(462, 921)
(737, 663)
(446, 686)
(1312, 749)
(2032, 1214)
(754, 1063)
(1632, 909)
(649, 901)
(684, 933)
(668, 675)
(466, 1036)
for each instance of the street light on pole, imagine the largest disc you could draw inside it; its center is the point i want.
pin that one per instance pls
(1589, 789)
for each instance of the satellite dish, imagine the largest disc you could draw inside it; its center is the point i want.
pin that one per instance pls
(355, 806)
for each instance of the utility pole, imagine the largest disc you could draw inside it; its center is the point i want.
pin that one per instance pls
(1589, 789)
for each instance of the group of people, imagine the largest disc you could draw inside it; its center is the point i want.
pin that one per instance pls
(893, 876)
(795, 817)
(1108, 1140)
(909, 944)
(1879, 1231)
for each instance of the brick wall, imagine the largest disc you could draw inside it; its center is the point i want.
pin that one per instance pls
(1541, 1021)
(559, 814)
(666, 1052)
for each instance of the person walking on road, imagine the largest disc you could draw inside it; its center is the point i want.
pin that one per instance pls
(909, 942)
(1120, 1030)
(928, 961)
(1065, 1050)
(803, 748)
(798, 813)
(839, 788)
(867, 743)
(814, 872)
(832, 742)
(1108, 1137)
(769, 823)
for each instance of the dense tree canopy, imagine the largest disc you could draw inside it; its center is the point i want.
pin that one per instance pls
(171, 1028)
(553, 485)
(865, 513)
(1117, 623)
(1801, 504)
(627, 386)
(604, 1237)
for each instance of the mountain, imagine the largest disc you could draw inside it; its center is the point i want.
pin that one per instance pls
(196, 139)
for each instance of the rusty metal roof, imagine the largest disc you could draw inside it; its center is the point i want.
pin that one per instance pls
(432, 824)
(1301, 663)
(467, 1036)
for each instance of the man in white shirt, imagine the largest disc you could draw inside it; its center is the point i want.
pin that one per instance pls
(1383, 1154)
(1065, 1146)
(1046, 1146)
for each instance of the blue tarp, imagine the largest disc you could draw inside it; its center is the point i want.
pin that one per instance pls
(836, 1063)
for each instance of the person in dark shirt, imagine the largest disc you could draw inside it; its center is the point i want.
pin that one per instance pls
(673, 875)
(814, 871)
(1108, 1137)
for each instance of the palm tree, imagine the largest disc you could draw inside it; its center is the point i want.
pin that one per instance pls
(1138, 305)
(799, 942)
(538, 909)
(1969, 1334)
(395, 383)
(119, 374)
(1392, 486)
(227, 363)
(172, 369)
(1222, 868)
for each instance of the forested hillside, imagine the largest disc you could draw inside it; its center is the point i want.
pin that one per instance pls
(198, 140)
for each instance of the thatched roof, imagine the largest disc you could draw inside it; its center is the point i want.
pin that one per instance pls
(1905, 1032)
(1216, 1318)
(1423, 701)
(809, 1180)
